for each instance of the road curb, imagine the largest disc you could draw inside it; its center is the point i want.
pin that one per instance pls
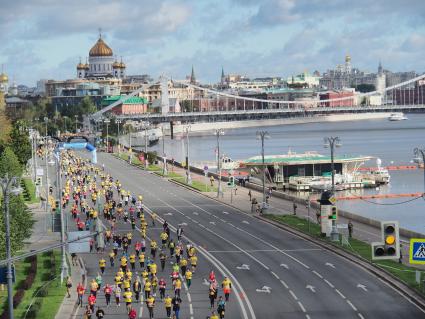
(84, 280)
(389, 278)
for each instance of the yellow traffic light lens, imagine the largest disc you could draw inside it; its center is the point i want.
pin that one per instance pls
(389, 240)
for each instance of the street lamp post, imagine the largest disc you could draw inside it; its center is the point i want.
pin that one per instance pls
(188, 177)
(332, 142)
(118, 135)
(107, 121)
(64, 122)
(218, 133)
(261, 135)
(46, 151)
(146, 144)
(8, 186)
(420, 152)
(164, 167)
(76, 123)
(64, 267)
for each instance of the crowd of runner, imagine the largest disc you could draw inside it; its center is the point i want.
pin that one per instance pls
(140, 267)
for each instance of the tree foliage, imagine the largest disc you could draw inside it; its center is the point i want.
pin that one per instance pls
(20, 142)
(9, 163)
(21, 222)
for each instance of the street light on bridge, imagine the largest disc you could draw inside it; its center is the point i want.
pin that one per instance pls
(218, 132)
(262, 135)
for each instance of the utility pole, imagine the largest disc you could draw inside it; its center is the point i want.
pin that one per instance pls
(146, 145)
(261, 135)
(188, 177)
(118, 135)
(129, 148)
(420, 152)
(107, 121)
(218, 133)
(164, 167)
(332, 142)
(8, 186)
(76, 123)
(46, 151)
(64, 267)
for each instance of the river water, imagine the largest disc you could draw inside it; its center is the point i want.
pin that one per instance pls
(392, 142)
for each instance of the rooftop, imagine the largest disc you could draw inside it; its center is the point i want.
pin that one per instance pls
(304, 158)
(131, 100)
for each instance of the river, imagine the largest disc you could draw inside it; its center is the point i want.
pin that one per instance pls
(392, 142)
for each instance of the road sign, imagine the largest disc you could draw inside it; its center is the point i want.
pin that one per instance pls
(39, 172)
(81, 245)
(332, 200)
(205, 168)
(342, 226)
(417, 251)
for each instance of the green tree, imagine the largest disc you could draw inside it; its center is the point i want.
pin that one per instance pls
(20, 142)
(9, 164)
(21, 222)
(87, 106)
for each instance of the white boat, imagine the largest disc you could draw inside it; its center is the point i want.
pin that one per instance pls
(397, 117)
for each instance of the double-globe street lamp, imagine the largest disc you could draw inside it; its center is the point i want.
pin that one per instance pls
(9, 186)
(262, 135)
(332, 142)
(218, 132)
(107, 121)
(188, 177)
(420, 152)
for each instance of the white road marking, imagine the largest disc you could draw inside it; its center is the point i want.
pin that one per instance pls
(293, 295)
(330, 265)
(360, 316)
(274, 274)
(329, 283)
(284, 284)
(317, 274)
(284, 266)
(195, 213)
(340, 293)
(352, 306)
(243, 267)
(301, 306)
(226, 213)
(245, 222)
(264, 289)
(312, 288)
(212, 223)
(361, 286)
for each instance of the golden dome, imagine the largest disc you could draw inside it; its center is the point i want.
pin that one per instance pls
(4, 77)
(87, 66)
(80, 66)
(347, 58)
(100, 49)
(116, 65)
(122, 65)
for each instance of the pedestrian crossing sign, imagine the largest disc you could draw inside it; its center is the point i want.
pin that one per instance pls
(417, 251)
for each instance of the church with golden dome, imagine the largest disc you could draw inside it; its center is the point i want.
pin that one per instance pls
(101, 63)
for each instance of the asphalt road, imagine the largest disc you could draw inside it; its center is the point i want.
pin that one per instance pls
(275, 274)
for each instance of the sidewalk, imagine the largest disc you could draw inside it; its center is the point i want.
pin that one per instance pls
(278, 206)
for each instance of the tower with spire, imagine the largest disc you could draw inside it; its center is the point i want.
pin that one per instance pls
(223, 77)
(192, 76)
(380, 83)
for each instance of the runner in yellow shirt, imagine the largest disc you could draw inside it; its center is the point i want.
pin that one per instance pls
(128, 295)
(142, 260)
(147, 288)
(167, 304)
(150, 302)
(102, 265)
(188, 277)
(193, 262)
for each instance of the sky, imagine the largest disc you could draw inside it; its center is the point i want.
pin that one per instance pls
(44, 39)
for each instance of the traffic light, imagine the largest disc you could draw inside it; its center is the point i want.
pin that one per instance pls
(389, 248)
(38, 181)
(334, 213)
(231, 181)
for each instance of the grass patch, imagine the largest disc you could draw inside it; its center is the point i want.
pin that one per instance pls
(137, 162)
(48, 304)
(29, 191)
(195, 184)
(407, 274)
